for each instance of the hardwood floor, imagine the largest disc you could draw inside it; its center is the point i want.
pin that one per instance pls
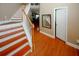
(46, 46)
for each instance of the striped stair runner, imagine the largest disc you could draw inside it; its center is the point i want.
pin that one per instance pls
(13, 40)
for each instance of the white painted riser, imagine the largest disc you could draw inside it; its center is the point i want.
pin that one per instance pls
(8, 26)
(9, 31)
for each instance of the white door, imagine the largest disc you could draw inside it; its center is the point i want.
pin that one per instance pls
(61, 22)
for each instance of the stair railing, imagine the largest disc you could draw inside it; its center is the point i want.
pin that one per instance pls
(28, 18)
(28, 25)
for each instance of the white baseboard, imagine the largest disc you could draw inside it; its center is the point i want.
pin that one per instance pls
(47, 34)
(68, 43)
(73, 45)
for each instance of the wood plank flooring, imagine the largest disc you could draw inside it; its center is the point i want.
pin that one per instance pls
(46, 46)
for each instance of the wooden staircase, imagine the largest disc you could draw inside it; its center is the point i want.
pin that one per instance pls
(13, 40)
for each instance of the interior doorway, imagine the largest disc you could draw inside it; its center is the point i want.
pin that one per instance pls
(60, 15)
(35, 8)
(35, 17)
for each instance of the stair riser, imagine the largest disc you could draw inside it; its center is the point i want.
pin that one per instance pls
(10, 49)
(22, 51)
(11, 40)
(10, 37)
(10, 26)
(11, 33)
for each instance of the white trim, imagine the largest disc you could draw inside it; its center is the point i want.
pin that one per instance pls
(18, 49)
(66, 20)
(11, 36)
(47, 34)
(73, 45)
(9, 31)
(11, 44)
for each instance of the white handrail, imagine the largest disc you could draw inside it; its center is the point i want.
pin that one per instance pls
(27, 24)
(28, 19)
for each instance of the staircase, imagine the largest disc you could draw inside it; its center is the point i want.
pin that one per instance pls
(13, 40)
(16, 34)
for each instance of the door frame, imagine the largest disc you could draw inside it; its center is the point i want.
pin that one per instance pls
(54, 23)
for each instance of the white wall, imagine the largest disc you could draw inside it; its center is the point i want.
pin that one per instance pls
(73, 19)
(17, 14)
(8, 9)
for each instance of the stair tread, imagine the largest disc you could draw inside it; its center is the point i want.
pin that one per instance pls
(10, 33)
(6, 22)
(10, 28)
(22, 51)
(9, 23)
(11, 44)
(10, 49)
(11, 36)
(11, 40)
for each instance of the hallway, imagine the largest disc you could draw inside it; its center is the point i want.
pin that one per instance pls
(46, 46)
